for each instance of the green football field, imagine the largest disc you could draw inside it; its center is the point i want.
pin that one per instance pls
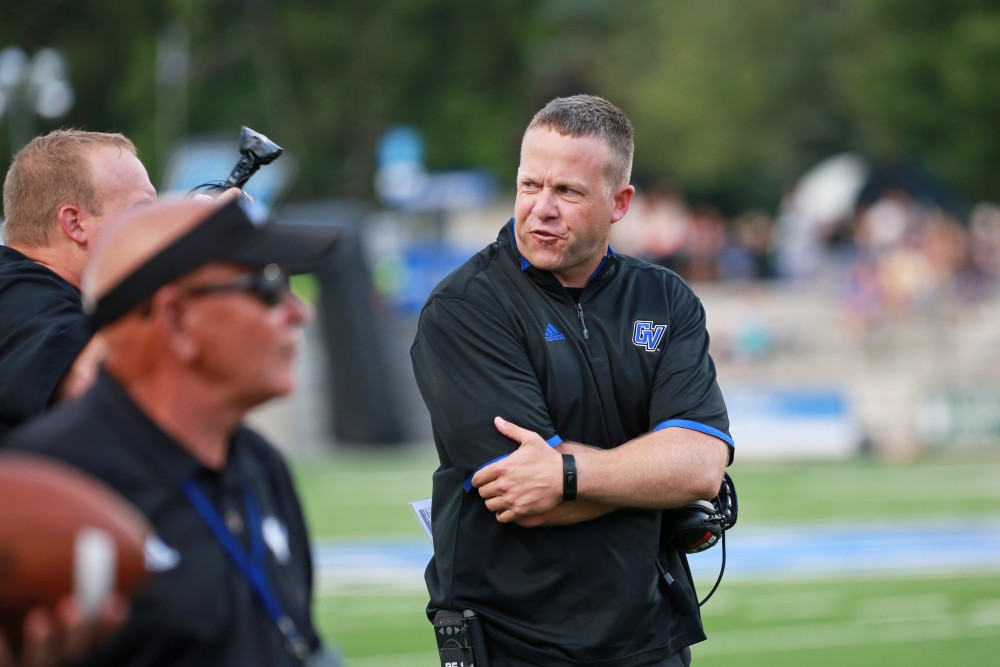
(928, 610)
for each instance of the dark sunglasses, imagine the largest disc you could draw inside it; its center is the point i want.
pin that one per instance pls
(269, 284)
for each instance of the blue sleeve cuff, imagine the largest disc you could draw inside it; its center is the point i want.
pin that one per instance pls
(695, 426)
(467, 485)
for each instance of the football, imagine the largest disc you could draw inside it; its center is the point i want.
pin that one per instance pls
(62, 531)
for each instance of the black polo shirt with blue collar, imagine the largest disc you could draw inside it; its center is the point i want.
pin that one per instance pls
(42, 330)
(500, 337)
(197, 609)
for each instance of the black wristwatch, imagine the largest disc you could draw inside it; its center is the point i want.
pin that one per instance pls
(569, 477)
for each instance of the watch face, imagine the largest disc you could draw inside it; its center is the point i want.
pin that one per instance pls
(569, 477)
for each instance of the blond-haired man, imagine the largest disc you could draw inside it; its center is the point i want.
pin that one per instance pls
(60, 191)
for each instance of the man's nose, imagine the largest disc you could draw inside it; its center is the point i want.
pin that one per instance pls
(546, 204)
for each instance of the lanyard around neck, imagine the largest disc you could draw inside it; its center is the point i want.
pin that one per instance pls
(253, 565)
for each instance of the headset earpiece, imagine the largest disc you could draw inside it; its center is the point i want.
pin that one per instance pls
(700, 525)
(725, 503)
(695, 527)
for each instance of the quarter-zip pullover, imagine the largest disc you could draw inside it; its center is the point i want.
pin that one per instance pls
(629, 356)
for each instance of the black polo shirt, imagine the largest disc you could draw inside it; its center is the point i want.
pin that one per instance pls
(500, 337)
(42, 330)
(198, 609)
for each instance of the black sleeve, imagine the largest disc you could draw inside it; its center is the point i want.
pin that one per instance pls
(685, 388)
(42, 330)
(470, 367)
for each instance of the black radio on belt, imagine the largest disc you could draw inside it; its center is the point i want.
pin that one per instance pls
(460, 639)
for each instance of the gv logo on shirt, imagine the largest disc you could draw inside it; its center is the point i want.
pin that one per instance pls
(648, 335)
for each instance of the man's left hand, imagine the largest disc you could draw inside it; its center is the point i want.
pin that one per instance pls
(524, 484)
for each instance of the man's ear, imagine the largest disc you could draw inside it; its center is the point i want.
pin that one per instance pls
(167, 308)
(623, 197)
(70, 221)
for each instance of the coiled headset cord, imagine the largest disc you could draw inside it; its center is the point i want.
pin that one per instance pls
(680, 601)
(722, 570)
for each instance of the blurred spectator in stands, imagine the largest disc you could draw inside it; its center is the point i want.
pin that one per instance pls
(907, 257)
(656, 228)
(706, 240)
(750, 250)
(897, 254)
(984, 248)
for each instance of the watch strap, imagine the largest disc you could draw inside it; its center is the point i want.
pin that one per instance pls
(569, 477)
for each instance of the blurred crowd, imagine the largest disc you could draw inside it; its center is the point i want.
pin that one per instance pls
(896, 254)
(697, 242)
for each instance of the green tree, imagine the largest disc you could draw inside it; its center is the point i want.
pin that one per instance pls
(731, 100)
(106, 45)
(919, 84)
(326, 79)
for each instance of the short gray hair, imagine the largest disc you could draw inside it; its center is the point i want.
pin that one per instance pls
(592, 116)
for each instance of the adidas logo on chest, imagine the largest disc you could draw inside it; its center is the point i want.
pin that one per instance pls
(552, 334)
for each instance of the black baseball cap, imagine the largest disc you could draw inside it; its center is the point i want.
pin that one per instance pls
(235, 232)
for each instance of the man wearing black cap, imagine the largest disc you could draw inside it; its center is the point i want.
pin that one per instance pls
(192, 302)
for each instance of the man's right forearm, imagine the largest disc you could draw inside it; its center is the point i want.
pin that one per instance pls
(568, 513)
(662, 469)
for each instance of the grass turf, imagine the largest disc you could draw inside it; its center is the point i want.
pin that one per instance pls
(860, 620)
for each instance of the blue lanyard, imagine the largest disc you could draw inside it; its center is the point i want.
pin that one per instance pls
(252, 565)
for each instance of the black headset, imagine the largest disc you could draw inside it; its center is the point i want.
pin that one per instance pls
(701, 525)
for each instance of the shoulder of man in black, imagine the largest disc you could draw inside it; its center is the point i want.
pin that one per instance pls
(104, 433)
(104, 425)
(270, 461)
(19, 273)
(42, 330)
(459, 282)
(69, 432)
